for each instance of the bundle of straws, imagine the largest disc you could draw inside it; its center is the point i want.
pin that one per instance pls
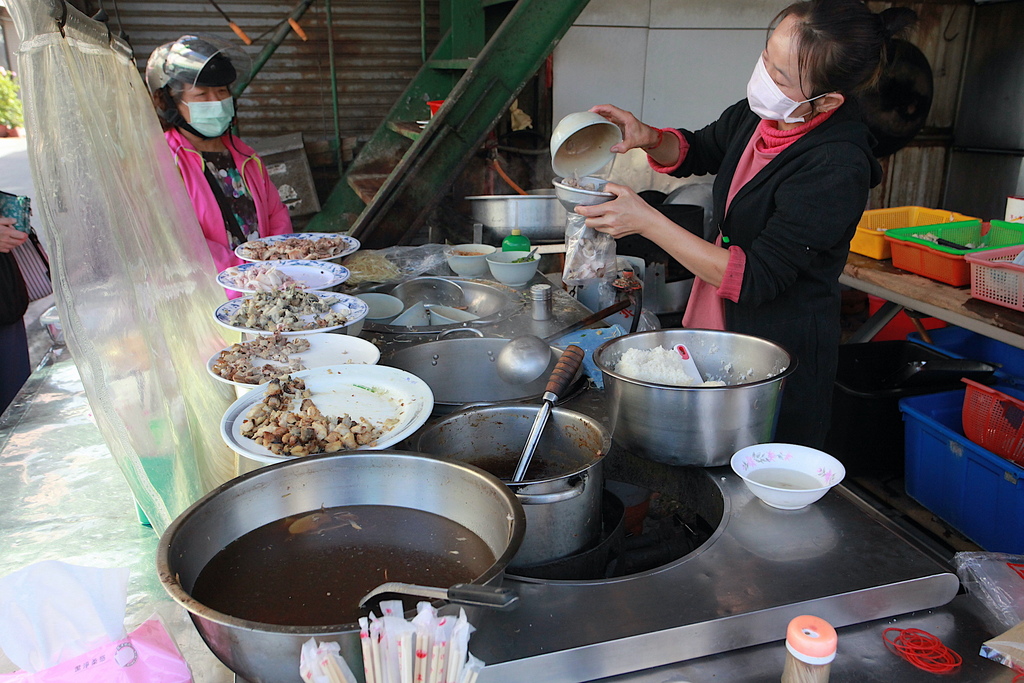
(429, 649)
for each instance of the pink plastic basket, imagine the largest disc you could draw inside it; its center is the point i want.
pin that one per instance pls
(995, 278)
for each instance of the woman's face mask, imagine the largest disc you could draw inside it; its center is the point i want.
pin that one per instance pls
(211, 118)
(768, 101)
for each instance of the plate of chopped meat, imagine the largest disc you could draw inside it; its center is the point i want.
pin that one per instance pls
(259, 360)
(266, 276)
(310, 246)
(326, 410)
(290, 311)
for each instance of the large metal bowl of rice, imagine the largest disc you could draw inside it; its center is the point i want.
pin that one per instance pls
(662, 415)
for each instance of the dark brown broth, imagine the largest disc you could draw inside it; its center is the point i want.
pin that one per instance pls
(315, 574)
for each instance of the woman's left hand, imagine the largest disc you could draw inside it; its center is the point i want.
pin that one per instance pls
(627, 214)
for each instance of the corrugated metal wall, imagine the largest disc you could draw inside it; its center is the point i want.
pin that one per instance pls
(377, 51)
(915, 175)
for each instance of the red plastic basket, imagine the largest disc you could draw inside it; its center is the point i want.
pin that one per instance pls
(994, 421)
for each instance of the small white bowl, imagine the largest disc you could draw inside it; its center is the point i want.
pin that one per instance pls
(571, 197)
(414, 316)
(581, 142)
(787, 476)
(514, 274)
(469, 260)
(383, 307)
(446, 315)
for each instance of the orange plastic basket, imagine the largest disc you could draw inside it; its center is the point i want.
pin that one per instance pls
(994, 421)
(869, 239)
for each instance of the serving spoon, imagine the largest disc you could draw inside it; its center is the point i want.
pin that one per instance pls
(526, 357)
(461, 594)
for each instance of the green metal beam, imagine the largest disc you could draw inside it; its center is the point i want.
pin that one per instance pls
(476, 103)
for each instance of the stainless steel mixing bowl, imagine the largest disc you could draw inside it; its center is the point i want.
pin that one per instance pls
(267, 653)
(700, 425)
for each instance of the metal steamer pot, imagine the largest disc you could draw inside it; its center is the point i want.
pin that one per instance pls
(463, 370)
(696, 425)
(562, 491)
(538, 215)
(267, 653)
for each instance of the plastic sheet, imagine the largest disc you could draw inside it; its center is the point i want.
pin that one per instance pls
(133, 278)
(997, 580)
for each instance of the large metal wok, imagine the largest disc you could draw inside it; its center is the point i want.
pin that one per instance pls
(463, 370)
(491, 302)
(267, 653)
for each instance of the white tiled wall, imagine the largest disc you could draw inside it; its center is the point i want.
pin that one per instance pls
(671, 62)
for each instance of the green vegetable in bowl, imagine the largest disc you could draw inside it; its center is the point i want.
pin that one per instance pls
(524, 259)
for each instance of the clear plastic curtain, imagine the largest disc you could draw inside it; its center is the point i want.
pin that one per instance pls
(133, 278)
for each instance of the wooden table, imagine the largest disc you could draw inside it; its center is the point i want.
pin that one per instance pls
(954, 305)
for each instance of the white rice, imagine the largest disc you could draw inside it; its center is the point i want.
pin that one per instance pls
(658, 365)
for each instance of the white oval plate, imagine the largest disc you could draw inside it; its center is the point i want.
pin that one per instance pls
(353, 308)
(312, 275)
(351, 244)
(324, 350)
(376, 392)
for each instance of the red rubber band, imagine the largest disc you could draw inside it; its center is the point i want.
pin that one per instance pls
(921, 649)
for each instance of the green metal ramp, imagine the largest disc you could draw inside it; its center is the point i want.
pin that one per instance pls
(402, 173)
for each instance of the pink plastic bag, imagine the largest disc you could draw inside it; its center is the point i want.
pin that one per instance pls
(147, 655)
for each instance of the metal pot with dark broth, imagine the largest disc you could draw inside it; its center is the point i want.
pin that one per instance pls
(336, 525)
(561, 493)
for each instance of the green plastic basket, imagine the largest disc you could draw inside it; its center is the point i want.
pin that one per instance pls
(1000, 234)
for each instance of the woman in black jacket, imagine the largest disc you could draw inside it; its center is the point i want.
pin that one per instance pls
(794, 167)
(14, 362)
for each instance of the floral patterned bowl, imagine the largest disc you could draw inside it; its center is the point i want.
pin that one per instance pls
(787, 476)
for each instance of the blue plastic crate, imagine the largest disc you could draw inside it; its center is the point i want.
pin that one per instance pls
(972, 489)
(961, 343)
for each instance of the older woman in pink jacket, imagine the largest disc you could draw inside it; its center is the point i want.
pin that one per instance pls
(232, 194)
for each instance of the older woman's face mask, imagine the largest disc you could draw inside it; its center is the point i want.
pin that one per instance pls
(211, 118)
(209, 110)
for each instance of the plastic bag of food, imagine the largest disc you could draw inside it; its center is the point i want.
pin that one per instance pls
(394, 264)
(997, 579)
(589, 254)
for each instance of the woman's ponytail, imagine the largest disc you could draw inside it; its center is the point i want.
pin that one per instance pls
(896, 22)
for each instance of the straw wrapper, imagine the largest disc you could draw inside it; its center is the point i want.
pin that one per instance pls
(429, 649)
(323, 663)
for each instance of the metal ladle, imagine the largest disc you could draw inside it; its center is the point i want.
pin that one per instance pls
(461, 593)
(526, 357)
(561, 377)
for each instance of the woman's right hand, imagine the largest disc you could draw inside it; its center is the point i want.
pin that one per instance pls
(635, 133)
(9, 237)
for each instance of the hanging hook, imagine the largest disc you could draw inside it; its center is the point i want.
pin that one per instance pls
(63, 18)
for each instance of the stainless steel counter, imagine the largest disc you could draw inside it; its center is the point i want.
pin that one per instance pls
(64, 498)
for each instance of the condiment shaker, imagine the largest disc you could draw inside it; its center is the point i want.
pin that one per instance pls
(540, 298)
(811, 645)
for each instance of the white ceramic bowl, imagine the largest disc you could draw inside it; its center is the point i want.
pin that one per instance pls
(508, 273)
(414, 316)
(787, 476)
(469, 260)
(383, 307)
(571, 197)
(581, 142)
(446, 315)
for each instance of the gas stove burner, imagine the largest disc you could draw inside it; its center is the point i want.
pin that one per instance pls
(669, 530)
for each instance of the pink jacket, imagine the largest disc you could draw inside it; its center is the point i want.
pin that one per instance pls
(271, 214)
